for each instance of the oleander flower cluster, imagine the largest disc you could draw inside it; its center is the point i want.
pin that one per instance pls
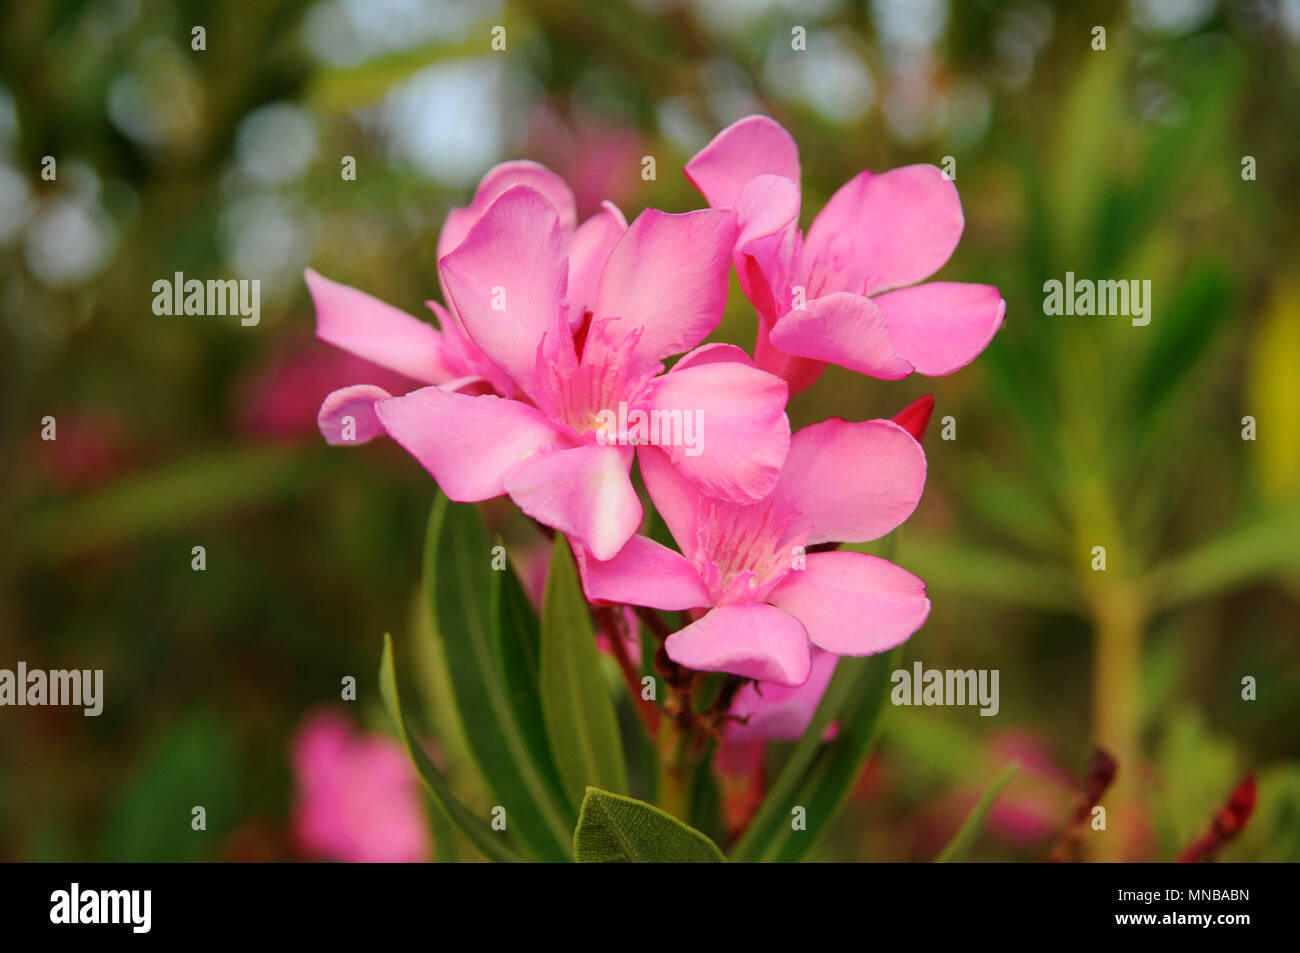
(570, 365)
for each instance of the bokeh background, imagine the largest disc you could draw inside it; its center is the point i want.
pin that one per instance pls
(1071, 432)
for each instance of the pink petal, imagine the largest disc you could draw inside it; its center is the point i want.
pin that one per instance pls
(644, 573)
(768, 206)
(499, 179)
(467, 443)
(592, 242)
(844, 329)
(942, 325)
(852, 603)
(369, 328)
(799, 373)
(464, 353)
(753, 641)
(750, 147)
(735, 416)
(676, 498)
(357, 402)
(768, 244)
(667, 278)
(778, 711)
(884, 231)
(514, 257)
(470, 385)
(584, 492)
(852, 481)
(713, 354)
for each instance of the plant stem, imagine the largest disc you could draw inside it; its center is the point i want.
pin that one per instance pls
(1119, 613)
(610, 619)
(672, 745)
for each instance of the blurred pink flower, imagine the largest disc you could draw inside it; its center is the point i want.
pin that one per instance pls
(1033, 809)
(281, 398)
(1036, 804)
(846, 293)
(600, 159)
(358, 797)
(769, 600)
(90, 448)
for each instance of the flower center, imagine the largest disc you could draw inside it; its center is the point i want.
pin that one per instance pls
(583, 391)
(744, 550)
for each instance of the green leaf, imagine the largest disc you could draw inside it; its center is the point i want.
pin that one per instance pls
(780, 796)
(703, 800)
(518, 644)
(578, 712)
(437, 711)
(613, 829)
(480, 834)
(1090, 120)
(465, 599)
(961, 569)
(970, 828)
(1179, 344)
(826, 788)
(1263, 545)
(191, 762)
(819, 778)
(182, 494)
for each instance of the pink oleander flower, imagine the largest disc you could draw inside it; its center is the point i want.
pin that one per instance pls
(846, 293)
(767, 602)
(578, 343)
(358, 798)
(765, 712)
(368, 328)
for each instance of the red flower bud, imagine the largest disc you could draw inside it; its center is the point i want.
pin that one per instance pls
(915, 417)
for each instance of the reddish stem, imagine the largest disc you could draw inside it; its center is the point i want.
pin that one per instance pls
(1232, 817)
(610, 619)
(1102, 769)
(654, 622)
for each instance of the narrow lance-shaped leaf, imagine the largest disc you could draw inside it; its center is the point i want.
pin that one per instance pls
(831, 780)
(819, 778)
(780, 796)
(1259, 546)
(614, 829)
(519, 648)
(577, 707)
(492, 843)
(965, 837)
(465, 596)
